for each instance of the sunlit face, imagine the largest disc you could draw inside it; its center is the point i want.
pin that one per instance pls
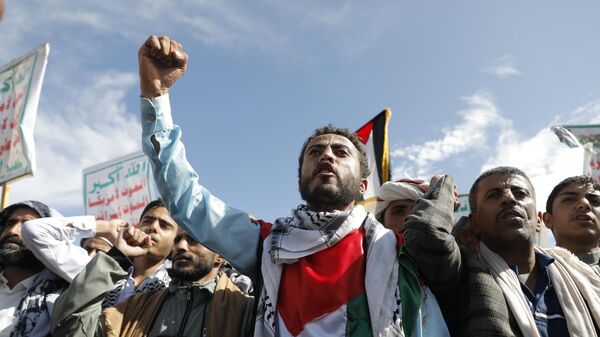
(395, 214)
(158, 223)
(191, 260)
(331, 171)
(575, 215)
(506, 213)
(12, 247)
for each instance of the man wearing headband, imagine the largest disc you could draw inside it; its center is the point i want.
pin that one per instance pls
(396, 200)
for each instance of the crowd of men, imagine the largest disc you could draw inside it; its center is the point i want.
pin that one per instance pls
(196, 267)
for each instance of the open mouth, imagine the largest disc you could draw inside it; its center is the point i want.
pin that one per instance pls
(583, 218)
(325, 169)
(512, 214)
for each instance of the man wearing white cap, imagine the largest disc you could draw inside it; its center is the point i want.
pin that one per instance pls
(396, 200)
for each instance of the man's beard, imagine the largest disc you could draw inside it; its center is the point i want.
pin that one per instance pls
(327, 194)
(14, 254)
(200, 267)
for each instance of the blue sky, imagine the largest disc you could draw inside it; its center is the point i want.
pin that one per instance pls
(470, 84)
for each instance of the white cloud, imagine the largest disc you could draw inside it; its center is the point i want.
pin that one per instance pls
(545, 160)
(77, 132)
(470, 134)
(503, 67)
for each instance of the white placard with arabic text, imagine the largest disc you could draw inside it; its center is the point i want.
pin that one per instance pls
(119, 189)
(20, 86)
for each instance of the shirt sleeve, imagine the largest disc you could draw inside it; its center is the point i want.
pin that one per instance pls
(428, 241)
(78, 309)
(55, 242)
(223, 229)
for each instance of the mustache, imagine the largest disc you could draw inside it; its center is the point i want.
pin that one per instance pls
(14, 239)
(511, 211)
(324, 166)
(183, 256)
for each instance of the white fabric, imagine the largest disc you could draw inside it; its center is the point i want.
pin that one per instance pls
(9, 301)
(575, 283)
(568, 291)
(395, 190)
(509, 283)
(381, 272)
(56, 244)
(330, 325)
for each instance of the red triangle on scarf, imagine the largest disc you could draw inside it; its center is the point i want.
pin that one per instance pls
(322, 282)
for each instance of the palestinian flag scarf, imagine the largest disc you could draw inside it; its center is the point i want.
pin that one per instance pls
(334, 274)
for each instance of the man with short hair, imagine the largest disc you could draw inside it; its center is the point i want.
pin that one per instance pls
(513, 287)
(328, 269)
(573, 215)
(199, 300)
(28, 289)
(395, 201)
(53, 241)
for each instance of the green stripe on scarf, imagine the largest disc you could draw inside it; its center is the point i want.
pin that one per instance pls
(410, 291)
(358, 323)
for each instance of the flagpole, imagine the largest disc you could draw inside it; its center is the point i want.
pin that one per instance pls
(5, 191)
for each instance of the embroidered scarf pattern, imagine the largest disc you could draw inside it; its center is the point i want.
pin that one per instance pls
(160, 279)
(307, 233)
(33, 313)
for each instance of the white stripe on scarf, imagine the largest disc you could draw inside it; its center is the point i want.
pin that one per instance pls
(309, 232)
(577, 315)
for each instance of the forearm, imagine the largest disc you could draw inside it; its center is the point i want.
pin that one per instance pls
(54, 241)
(428, 240)
(77, 310)
(225, 230)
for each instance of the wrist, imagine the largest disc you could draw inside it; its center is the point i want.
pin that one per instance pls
(153, 90)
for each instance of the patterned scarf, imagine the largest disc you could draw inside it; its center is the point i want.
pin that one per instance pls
(33, 312)
(160, 279)
(306, 233)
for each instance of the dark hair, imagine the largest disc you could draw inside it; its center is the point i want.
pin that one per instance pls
(351, 136)
(579, 180)
(152, 205)
(496, 171)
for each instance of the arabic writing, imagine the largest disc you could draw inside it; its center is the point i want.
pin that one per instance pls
(14, 86)
(118, 189)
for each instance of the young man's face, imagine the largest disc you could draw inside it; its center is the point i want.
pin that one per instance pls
(157, 223)
(395, 214)
(575, 216)
(331, 171)
(505, 214)
(12, 248)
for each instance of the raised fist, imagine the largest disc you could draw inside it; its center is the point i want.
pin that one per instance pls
(162, 63)
(132, 241)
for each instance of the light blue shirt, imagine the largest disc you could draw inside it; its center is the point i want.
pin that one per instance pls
(222, 229)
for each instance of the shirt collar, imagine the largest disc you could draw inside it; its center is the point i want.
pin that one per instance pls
(26, 283)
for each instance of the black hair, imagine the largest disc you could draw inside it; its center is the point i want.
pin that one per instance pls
(152, 205)
(579, 180)
(351, 136)
(496, 171)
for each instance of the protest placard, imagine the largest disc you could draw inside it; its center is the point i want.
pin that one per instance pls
(20, 86)
(119, 189)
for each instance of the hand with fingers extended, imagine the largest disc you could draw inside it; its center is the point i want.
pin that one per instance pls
(132, 241)
(162, 63)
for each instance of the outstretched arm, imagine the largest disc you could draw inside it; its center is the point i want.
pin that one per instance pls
(224, 230)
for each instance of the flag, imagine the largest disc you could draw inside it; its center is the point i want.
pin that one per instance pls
(374, 136)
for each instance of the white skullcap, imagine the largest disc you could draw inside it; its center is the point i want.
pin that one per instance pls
(399, 190)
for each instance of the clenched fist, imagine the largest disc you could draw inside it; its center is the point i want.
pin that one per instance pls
(162, 63)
